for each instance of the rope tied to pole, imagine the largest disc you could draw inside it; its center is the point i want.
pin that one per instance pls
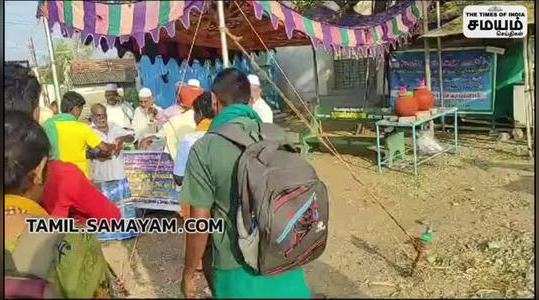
(121, 276)
(325, 141)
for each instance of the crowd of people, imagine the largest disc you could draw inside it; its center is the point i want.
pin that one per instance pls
(58, 166)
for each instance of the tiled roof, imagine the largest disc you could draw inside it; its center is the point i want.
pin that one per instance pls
(92, 72)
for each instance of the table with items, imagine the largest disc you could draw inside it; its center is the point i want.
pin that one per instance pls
(395, 148)
(151, 180)
(357, 116)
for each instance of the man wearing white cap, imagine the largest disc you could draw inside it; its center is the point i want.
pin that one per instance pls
(178, 120)
(144, 123)
(259, 105)
(117, 112)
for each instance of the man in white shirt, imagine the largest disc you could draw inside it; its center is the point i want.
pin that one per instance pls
(259, 105)
(117, 112)
(144, 123)
(107, 172)
(179, 120)
(203, 116)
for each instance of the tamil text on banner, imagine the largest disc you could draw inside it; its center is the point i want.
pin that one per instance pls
(151, 181)
(467, 77)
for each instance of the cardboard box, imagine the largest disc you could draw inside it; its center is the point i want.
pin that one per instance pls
(407, 119)
(423, 114)
(391, 118)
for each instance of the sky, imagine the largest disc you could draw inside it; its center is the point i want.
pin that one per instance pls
(21, 24)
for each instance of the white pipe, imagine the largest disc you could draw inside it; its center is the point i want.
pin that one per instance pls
(426, 41)
(527, 94)
(53, 62)
(222, 31)
(439, 40)
(440, 76)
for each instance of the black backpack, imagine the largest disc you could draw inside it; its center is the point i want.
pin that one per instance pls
(282, 217)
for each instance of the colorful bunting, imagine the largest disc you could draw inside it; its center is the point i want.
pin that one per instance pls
(387, 32)
(111, 21)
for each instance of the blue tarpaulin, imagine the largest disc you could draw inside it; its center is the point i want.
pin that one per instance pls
(161, 78)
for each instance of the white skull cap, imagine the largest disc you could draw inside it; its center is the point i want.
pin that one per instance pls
(145, 93)
(193, 82)
(111, 87)
(253, 79)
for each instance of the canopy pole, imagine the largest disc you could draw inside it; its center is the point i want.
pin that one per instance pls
(53, 62)
(528, 96)
(426, 41)
(440, 76)
(222, 31)
(315, 71)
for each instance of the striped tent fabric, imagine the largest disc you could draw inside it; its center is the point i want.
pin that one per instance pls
(372, 37)
(106, 22)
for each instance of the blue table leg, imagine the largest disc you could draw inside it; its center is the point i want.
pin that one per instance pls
(415, 150)
(378, 156)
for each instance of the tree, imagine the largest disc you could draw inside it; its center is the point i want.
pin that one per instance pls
(341, 8)
(64, 53)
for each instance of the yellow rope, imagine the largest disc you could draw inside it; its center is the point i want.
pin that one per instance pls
(323, 139)
(183, 78)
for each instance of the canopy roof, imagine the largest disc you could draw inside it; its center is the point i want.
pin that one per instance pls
(454, 27)
(129, 26)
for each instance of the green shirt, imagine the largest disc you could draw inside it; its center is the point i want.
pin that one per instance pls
(210, 183)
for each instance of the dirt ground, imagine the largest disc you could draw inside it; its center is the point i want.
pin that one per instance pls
(479, 202)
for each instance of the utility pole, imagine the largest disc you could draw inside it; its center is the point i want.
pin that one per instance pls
(53, 63)
(34, 66)
(33, 59)
(222, 31)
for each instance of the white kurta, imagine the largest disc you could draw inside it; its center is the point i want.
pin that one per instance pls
(128, 109)
(142, 125)
(117, 115)
(263, 110)
(113, 168)
(175, 129)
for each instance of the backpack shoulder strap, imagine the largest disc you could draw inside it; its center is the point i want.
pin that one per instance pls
(236, 135)
(272, 132)
(277, 135)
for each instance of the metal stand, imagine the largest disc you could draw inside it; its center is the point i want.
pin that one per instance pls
(413, 125)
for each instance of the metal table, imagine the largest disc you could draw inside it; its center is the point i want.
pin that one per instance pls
(386, 123)
(338, 114)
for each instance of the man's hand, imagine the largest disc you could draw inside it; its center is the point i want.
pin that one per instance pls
(145, 143)
(119, 147)
(152, 111)
(106, 148)
(195, 244)
(193, 284)
(126, 138)
(185, 211)
(189, 285)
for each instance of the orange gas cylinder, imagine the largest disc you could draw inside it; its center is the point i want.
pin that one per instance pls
(188, 94)
(424, 97)
(406, 105)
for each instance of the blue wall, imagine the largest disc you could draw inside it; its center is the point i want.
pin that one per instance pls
(161, 78)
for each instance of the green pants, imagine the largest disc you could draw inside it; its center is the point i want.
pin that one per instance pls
(242, 283)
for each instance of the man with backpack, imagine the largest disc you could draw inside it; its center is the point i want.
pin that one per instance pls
(212, 186)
